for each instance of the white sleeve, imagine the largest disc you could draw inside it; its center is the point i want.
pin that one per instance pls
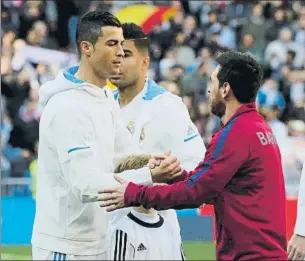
(75, 142)
(300, 222)
(181, 135)
(121, 247)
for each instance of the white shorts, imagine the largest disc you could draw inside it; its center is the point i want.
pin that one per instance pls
(41, 254)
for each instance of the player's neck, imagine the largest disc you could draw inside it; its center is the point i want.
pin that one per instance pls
(231, 108)
(143, 210)
(89, 76)
(127, 94)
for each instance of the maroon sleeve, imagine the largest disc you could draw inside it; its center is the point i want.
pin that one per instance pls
(183, 177)
(225, 155)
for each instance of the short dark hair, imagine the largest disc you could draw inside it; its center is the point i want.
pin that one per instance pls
(132, 31)
(242, 71)
(89, 26)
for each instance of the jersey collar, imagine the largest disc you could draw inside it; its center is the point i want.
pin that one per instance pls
(150, 91)
(146, 220)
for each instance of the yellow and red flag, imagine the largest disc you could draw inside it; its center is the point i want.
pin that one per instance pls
(146, 16)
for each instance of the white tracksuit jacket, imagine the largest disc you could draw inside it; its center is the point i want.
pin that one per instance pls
(80, 142)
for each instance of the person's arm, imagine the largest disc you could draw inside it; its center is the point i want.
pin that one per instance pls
(121, 247)
(300, 223)
(74, 136)
(223, 158)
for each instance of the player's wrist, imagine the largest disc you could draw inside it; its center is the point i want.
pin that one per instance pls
(156, 177)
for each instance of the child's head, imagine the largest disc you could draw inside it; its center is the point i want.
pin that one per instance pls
(133, 162)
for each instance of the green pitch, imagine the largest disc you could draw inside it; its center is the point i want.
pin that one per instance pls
(193, 250)
(197, 250)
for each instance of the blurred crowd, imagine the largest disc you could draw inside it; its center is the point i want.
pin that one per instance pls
(38, 40)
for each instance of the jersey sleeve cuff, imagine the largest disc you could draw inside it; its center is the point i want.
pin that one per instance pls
(142, 176)
(131, 194)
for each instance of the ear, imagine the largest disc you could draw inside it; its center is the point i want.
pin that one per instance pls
(226, 90)
(86, 48)
(146, 63)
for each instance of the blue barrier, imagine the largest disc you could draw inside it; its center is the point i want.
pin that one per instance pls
(18, 216)
(188, 212)
(17, 220)
(195, 227)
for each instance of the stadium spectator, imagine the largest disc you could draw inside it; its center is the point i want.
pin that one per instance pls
(248, 45)
(269, 94)
(257, 27)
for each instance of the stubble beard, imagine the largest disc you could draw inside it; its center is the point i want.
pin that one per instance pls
(218, 107)
(125, 85)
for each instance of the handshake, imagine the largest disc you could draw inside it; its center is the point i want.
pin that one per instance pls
(164, 167)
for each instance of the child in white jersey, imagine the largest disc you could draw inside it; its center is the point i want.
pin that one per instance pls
(144, 234)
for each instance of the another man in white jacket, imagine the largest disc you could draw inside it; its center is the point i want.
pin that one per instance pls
(296, 246)
(157, 120)
(80, 143)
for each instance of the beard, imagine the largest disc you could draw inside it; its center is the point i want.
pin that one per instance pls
(122, 83)
(126, 84)
(218, 107)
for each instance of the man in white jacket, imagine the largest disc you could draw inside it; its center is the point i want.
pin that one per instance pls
(157, 120)
(80, 144)
(296, 246)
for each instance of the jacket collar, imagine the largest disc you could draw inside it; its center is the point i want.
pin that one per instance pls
(150, 91)
(245, 108)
